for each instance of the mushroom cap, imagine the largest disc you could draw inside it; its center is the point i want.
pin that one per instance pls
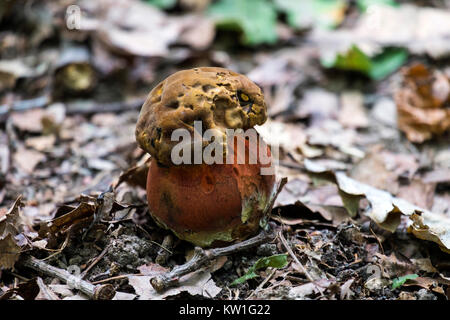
(220, 98)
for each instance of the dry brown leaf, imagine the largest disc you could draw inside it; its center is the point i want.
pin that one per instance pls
(10, 252)
(10, 228)
(353, 113)
(373, 171)
(80, 214)
(41, 143)
(29, 120)
(346, 293)
(303, 291)
(419, 193)
(152, 269)
(199, 283)
(421, 103)
(28, 159)
(386, 210)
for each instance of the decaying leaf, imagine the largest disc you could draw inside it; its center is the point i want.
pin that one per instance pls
(386, 210)
(10, 252)
(304, 290)
(26, 290)
(419, 29)
(80, 215)
(137, 175)
(421, 103)
(309, 13)
(11, 239)
(199, 283)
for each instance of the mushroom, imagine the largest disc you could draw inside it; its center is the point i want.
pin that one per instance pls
(217, 97)
(207, 204)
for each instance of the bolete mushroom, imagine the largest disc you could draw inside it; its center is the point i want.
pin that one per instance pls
(217, 97)
(207, 204)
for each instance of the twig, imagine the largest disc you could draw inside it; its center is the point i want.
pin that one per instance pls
(202, 257)
(273, 197)
(261, 285)
(45, 291)
(101, 255)
(378, 240)
(23, 105)
(97, 292)
(122, 276)
(291, 253)
(87, 107)
(83, 107)
(165, 250)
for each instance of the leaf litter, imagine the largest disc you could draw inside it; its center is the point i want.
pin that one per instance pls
(360, 200)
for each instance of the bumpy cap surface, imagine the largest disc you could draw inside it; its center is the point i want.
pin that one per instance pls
(217, 97)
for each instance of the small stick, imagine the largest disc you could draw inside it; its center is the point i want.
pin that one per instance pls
(164, 252)
(122, 276)
(291, 253)
(261, 285)
(202, 257)
(87, 107)
(293, 256)
(98, 292)
(101, 255)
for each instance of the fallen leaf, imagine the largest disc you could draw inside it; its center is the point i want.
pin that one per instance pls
(303, 291)
(138, 29)
(352, 113)
(419, 29)
(41, 143)
(421, 107)
(386, 210)
(256, 19)
(29, 120)
(346, 293)
(10, 252)
(28, 159)
(364, 5)
(124, 296)
(376, 67)
(313, 13)
(419, 193)
(199, 283)
(152, 269)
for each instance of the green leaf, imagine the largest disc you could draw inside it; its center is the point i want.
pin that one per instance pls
(398, 282)
(163, 4)
(353, 60)
(255, 18)
(276, 261)
(376, 68)
(387, 62)
(307, 13)
(363, 5)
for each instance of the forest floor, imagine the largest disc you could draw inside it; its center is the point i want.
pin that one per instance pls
(364, 143)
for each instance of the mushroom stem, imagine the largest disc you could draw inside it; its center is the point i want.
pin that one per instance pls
(202, 257)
